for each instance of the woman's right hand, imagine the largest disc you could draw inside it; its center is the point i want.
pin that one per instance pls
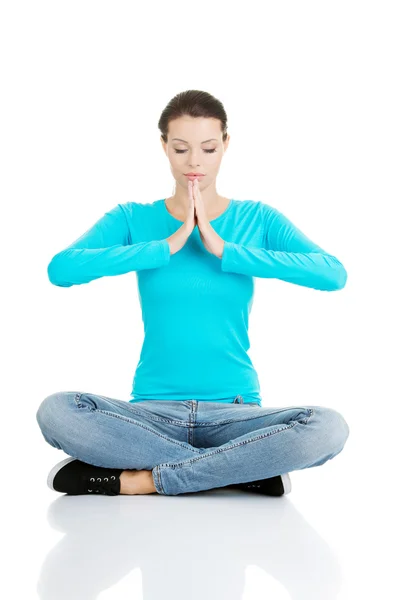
(191, 219)
(178, 239)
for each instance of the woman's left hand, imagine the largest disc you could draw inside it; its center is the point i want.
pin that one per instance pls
(210, 238)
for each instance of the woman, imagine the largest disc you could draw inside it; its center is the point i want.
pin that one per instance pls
(195, 255)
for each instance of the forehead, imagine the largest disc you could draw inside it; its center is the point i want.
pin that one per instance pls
(194, 130)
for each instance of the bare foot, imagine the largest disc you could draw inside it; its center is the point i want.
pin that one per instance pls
(137, 482)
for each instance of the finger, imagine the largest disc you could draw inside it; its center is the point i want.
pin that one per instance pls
(190, 189)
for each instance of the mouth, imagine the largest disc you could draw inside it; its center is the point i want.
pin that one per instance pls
(194, 175)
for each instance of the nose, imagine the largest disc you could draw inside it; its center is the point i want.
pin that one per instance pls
(193, 164)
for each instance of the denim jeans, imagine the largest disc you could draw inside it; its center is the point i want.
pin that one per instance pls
(191, 445)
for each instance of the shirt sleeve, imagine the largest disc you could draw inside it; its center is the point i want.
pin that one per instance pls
(105, 250)
(288, 254)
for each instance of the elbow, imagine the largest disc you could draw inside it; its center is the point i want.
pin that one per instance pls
(336, 275)
(339, 276)
(54, 273)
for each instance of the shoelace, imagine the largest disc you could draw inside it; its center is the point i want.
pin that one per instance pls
(102, 485)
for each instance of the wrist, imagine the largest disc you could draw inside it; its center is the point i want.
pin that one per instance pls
(187, 228)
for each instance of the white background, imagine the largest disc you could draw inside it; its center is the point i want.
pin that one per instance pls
(311, 90)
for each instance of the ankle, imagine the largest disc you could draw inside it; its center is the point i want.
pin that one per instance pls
(137, 482)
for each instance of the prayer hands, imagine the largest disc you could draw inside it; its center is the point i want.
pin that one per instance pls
(210, 238)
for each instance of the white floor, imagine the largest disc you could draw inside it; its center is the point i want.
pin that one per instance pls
(324, 540)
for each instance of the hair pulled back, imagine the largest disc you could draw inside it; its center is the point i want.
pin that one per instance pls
(193, 103)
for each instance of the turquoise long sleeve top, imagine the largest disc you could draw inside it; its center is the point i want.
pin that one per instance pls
(196, 306)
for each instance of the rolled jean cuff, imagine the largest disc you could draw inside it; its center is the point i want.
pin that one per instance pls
(157, 480)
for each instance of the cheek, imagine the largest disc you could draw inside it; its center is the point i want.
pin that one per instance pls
(175, 161)
(213, 161)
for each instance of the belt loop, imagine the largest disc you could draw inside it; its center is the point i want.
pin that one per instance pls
(238, 400)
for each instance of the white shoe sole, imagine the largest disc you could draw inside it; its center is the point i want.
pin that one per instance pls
(287, 484)
(55, 469)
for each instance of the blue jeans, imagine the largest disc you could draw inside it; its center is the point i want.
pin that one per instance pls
(191, 445)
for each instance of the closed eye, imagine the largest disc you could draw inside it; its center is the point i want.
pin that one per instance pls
(182, 151)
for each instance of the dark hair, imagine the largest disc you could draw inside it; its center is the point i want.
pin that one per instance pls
(193, 103)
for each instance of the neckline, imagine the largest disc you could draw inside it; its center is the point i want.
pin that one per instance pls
(163, 202)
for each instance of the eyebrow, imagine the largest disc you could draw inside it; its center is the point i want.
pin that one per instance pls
(179, 140)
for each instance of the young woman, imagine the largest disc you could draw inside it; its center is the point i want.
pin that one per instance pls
(195, 419)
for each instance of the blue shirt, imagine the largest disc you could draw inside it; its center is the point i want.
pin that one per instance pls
(195, 305)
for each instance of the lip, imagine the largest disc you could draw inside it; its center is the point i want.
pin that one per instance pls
(194, 175)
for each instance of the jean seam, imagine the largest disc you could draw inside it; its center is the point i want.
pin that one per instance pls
(249, 418)
(212, 423)
(137, 423)
(231, 447)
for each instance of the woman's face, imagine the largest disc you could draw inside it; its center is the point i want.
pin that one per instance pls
(199, 148)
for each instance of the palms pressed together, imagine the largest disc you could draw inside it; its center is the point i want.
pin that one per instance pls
(210, 238)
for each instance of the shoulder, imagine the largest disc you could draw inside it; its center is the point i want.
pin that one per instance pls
(138, 209)
(257, 208)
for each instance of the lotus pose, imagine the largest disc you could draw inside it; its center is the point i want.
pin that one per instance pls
(195, 419)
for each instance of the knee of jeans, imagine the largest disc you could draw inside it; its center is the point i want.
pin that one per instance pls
(50, 408)
(337, 428)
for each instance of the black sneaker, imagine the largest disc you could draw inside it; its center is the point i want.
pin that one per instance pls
(273, 486)
(72, 476)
